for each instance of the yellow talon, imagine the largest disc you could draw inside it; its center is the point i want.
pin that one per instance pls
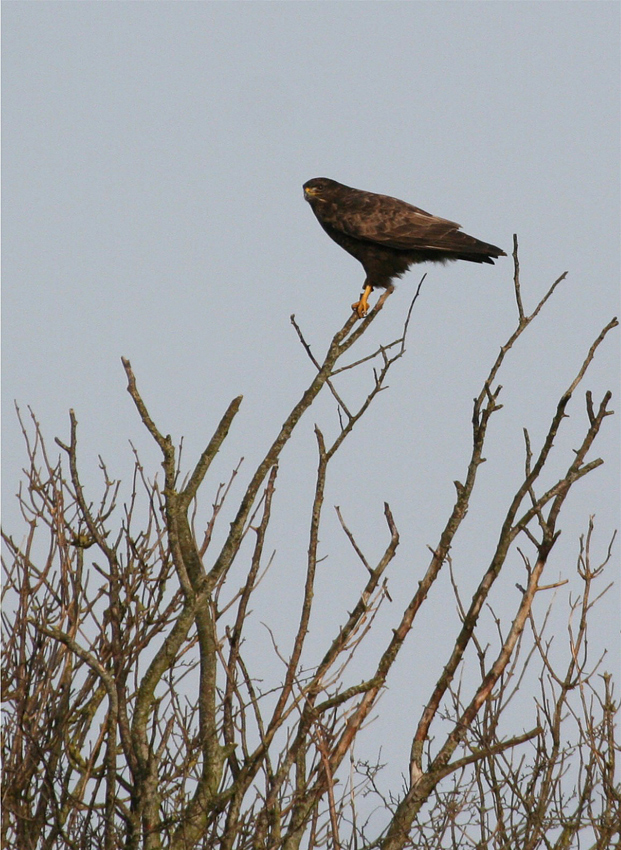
(362, 307)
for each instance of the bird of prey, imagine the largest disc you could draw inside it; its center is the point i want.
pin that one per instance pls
(387, 235)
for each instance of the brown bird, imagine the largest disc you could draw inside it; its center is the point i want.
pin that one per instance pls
(388, 235)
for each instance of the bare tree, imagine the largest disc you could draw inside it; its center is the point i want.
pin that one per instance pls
(133, 719)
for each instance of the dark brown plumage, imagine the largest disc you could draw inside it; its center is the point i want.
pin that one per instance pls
(388, 235)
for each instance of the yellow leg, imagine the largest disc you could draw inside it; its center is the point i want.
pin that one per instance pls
(362, 307)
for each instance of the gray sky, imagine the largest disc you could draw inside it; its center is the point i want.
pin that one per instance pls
(153, 160)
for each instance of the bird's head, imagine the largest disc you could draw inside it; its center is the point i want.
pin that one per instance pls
(319, 189)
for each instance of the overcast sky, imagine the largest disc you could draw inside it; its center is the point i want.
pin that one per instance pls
(154, 155)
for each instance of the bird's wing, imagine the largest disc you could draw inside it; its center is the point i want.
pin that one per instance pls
(391, 222)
